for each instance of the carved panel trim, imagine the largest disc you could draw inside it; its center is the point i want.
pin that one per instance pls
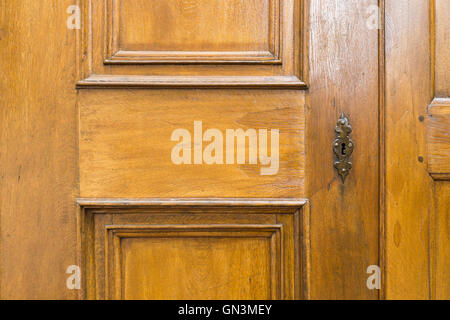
(438, 136)
(103, 64)
(115, 234)
(104, 223)
(208, 82)
(116, 56)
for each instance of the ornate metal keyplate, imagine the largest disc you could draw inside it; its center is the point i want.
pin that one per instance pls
(343, 147)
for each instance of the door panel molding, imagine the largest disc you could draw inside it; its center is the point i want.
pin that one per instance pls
(281, 226)
(438, 121)
(117, 54)
(113, 55)
(116, 234)
(438, 136)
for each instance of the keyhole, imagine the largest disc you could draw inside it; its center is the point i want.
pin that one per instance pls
(343, 149)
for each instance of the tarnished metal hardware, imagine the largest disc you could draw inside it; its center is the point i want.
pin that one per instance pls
(343, 147)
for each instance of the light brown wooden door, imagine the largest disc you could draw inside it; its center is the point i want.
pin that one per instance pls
(195, 149)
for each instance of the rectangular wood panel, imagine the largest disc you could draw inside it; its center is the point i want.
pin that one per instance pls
(194, 248)
(439, 151)
(438, 124)
(438, 139)
(442, 54)
(192, 43)
(438, 135)
(441, 251)
(193, 31)
(195, 261)
(126, 146)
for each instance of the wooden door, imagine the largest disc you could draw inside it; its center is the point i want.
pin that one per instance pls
(194, 149)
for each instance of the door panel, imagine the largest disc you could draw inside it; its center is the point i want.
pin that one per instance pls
(111, 166)
(165, 30)
(439, 150)
(441, 252)
(417, 150)
(344, 77)
(143, 43)
(91, 119)
(38, 150)
(127, 143)
(408, 184)
(200, 249)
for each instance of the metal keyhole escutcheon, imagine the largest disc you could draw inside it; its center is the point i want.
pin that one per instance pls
(343, 147)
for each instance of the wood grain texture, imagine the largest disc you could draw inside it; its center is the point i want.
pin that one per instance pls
(442, 54)
(438, 124)
(125, 142)
(271, 46)
(344, 217)
(125, 152)
(237, 25)
(197, 82)
(183, 31)
(438, 138)
(243, 235)
(409, 193)
(38, 149)
(129, 244)
(206, 262)
(382, 144)
(442, 239)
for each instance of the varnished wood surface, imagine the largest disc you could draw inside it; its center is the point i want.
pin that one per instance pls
(438, 138)
(409, 195)
(199, 202)
(441, 229)
(239, 26)
(204, 82)
(417, 150)
(344, 217)
(442, 54)
(197, 248)
(38, 149)
(125, 51)
(216, 279)
(125, 152)
(111, 166)
(112, 147)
